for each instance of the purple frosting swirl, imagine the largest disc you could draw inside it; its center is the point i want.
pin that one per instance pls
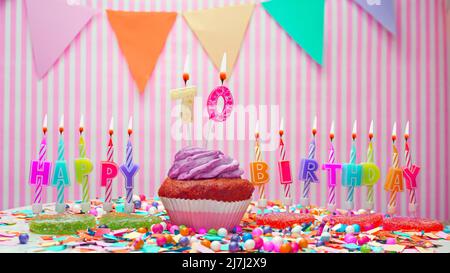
(199, 163)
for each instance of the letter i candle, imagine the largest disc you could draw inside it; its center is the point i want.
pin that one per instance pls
(129, 169)
(410, 173)
(109, 170)
(61, 173)
(40, 171)
(394, 179)
(331, 167)
(258, 172)
(308, 168)
(284, 169)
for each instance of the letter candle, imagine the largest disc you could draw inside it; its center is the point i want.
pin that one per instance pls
(40, 171)
(410, 173)
(61, 174)
(129, 169)
(186, 95)
(350, 175)
(331, 168)
(394, 182)
(108, 170)
(371, 172)
(308, 167)
(83, 167)
(258, 172)
(284, 169)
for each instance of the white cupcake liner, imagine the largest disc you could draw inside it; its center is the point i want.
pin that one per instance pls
(204, 213)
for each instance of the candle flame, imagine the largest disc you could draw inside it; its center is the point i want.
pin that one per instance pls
(332, 130)
(130, 125)
(81, 124)
(314, 128)
(257, 129)
(61, 124)
(111, 126)
(223, 68)
(354, 130)
(282, 126)
(394, 132)
(44, 124)
(371, 130)
(407, 130)
(186, 69)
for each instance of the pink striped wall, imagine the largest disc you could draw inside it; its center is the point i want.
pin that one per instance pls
(367, 74)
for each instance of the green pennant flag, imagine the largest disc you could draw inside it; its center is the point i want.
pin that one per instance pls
(303, 20)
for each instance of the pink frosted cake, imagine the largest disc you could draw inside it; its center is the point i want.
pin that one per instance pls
(204, 189)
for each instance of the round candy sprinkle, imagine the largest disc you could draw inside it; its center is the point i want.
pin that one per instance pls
(184, 231)
(350, 239)
(138, 244)
(237, 229)
(258, 242)
(155, 204)
(233, 247)
(363, 240)
(93, 212)
(161, 241)
(249, 244)
(206, 243)
(303, 243)
(365, 248)
(246, 236)
(215, 245)
(174, 230)
(267, 230)
(202, 231)
(320, 243)
(184, 241)
(157, 228)
(142, 197)
(277, 240)
(257, 232)
(268, 246)
(349, 229)
(325, 237)
(137, 204)
(222, 232)
(23, 238)
(235, 238)
(285, 248)
(142, 230)
(212, 232)
(164, 225)
(356, 228)
(102, 226)
(294, 247)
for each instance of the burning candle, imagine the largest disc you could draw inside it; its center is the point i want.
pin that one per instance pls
(129, 169)
(371, 172)
(61, 174)
(40, 171)
(331, 167)
(258, 171)
(351, 173)
(284, 168)
(410, 173)
(83, 167)
(109, 170)
(308, 167)
(394, 181)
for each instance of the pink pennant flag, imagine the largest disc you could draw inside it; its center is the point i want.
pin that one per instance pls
(53, 24)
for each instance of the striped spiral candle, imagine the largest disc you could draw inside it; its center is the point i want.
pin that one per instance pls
(42, 158)
(85, 182)
(370, 189)
(332, 190)
(287, 187)
(311, 155)
(395, 164)
(60, 186)
(351, 188)
(129, 164)
(412, 191)
(258, 159)
(109, 155)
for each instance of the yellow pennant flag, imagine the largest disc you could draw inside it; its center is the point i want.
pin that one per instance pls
(221, 30)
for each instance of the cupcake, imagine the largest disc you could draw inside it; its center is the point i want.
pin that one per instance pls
(204, 189)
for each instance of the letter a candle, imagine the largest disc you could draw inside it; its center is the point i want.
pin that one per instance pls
(40, 171)
(394, 180)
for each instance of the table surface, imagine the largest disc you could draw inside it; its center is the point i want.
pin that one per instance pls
(12, 245)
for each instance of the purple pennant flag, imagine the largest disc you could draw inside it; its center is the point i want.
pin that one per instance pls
(381, 10)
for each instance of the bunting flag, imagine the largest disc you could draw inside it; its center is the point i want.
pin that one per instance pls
(303, 20)
(382, 11)
(221, 30)
(53, 24)
(141, 37)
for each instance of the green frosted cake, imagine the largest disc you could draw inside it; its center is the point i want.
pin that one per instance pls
(61, 224)
(117, 220)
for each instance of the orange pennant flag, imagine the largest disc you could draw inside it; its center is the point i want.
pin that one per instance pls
(141, 37)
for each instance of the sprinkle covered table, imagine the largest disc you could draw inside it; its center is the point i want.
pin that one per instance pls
(307, 235)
